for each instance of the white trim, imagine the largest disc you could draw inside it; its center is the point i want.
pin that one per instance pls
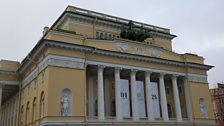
(10, 82)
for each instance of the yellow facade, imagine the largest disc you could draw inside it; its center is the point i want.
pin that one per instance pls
(64, 67)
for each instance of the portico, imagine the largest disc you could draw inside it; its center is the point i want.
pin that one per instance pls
(99, 73)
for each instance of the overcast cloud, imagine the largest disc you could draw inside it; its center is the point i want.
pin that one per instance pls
(199, 24)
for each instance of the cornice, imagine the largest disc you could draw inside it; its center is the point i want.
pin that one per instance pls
(166, 36)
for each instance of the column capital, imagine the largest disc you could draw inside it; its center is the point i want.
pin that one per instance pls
(101, 67)
(148, 72)
(174, 76)
(134, 70)
(117, 68)
(162, 74)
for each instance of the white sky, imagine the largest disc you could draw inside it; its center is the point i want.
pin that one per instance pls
(199, 24)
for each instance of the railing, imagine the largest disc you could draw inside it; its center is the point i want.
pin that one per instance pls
(118, 19)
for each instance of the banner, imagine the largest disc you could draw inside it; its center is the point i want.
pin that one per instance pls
(155, 99)
(140, 98)
(125, 98)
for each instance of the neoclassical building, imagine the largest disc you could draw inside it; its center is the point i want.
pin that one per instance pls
(91, 68)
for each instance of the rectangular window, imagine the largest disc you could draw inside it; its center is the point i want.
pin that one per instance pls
(105, 36)
(110, 37)
(97, 35)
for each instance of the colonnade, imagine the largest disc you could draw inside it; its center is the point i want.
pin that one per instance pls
(134, 101)
(9, 112)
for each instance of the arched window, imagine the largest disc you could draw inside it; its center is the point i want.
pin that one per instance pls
(203, 110)
(27, 116)
(66, 102)
(42, 105)
(34, 110)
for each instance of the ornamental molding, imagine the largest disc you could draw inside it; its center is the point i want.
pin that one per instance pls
(54, 60)
(2, 72)
(197, 78)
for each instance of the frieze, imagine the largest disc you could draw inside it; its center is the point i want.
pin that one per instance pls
(197, 78)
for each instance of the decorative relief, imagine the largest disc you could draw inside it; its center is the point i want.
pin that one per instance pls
(198, 78)
(154, 52)
(122, 47)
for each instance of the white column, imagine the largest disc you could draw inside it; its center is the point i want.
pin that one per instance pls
(100, 93)
(163, 101)
(90, 96)
(134, 96)
(149, 97)
(187, 99)
(176, 98)
(118, 94)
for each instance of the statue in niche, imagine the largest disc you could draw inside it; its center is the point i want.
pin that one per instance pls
(65, 103)
(203, 109)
